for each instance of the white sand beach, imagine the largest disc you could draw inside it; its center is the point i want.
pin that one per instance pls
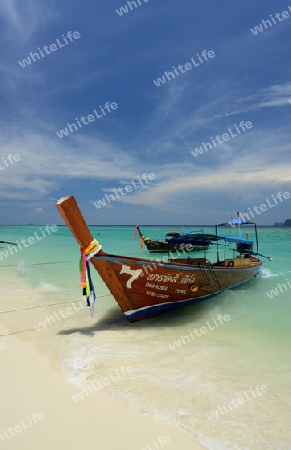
(37, 410)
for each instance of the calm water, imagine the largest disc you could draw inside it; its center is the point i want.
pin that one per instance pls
(191, 383)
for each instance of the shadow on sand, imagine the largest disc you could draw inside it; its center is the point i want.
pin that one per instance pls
(114, 320)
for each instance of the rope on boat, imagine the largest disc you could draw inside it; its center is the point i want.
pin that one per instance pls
(17, 332)
(46, 306)
(34, 307)
(259, 254)
(36, 264)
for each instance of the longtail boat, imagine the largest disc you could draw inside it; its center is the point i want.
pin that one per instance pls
(157, 246)
(143, 288)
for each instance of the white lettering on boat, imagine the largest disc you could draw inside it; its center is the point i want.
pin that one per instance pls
(188, 279)
(135, 274)
(180, 291)
(156, 286)
(168, 278)
(154, 294)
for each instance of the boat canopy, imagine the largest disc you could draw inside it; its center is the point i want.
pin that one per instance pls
(238, 222)
(237, 239)
(204, 239)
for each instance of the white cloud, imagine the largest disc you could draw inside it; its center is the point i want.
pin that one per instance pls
(46, 162)
(277, 95)
(252, 173)
(24, 17)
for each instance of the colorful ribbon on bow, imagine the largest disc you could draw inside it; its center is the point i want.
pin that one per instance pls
(85, 276)
(141, 238)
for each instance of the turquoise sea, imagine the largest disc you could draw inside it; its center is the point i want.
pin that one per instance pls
(195, 384)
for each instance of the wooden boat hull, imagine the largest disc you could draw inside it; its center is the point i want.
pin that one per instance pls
(149, 289)
(155, 246)
(144, 288)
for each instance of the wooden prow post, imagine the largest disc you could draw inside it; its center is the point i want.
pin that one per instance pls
(70, 212)
(139, 232)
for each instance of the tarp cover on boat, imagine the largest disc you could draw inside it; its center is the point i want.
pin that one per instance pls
(195, 239)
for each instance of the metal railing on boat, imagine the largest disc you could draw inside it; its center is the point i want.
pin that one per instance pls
(210, 277)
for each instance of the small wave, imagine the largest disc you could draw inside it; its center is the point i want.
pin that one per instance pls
(46, 287)
(267, 273)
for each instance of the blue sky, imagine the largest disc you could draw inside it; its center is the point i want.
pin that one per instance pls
(154, 128)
